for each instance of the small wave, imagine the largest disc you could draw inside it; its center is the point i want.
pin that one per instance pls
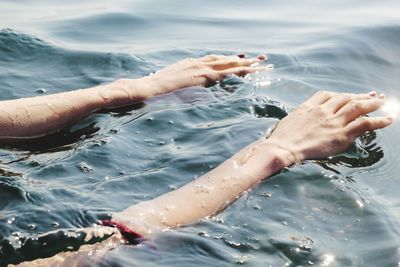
(27, 62)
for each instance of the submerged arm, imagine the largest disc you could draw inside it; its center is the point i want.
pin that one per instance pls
(36, 116)
(333, 122)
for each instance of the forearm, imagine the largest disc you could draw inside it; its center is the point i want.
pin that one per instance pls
(209, 193)
(36, 116)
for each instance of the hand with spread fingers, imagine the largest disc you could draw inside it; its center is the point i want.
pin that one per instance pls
(326, 124)
(204, 71)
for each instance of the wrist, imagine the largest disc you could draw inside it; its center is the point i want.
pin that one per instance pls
(121, 92)
(262, 159)
(281, 157)
(151, 85)
(137, 89)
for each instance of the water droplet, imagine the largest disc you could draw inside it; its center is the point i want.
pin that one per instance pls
(328, 259)
(266, 194)
(169, 207)
(172, 187)
(41, 90)
(257, 207)
(203, 189)
(241, 259)
(203, 234)
(219, 220)
(114, 131)
(235, 164)
(164, 221)
(83, 166)
(34, 163)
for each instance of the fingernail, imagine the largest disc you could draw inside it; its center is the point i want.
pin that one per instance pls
(372, 93)
(382, 96)
(262, 57)
(242, 55)
(390, 118)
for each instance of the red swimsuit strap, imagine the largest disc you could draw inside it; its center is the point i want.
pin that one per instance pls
(128, 234)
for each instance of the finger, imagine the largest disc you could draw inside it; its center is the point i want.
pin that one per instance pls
(356, 108)
(211, 57)
(241, 71)
(362, 125)
(319, 98)
(337, 102)
(214, 57)
(233, 62)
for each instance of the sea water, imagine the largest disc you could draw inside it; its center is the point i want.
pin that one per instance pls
(343, 211)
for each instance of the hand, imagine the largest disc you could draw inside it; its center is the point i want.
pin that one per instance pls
(203, 71)
(326, 124)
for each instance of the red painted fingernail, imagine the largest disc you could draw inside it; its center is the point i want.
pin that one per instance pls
(262, 57)
(242, 55)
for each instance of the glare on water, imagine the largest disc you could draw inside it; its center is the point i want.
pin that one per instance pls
(391, 107)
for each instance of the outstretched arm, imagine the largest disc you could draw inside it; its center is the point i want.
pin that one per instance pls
(36, 116)
(332, 123)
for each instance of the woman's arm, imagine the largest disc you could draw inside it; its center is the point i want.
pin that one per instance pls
(323, 126)
(36, 116)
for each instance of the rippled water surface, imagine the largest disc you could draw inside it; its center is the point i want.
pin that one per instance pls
(339, 212)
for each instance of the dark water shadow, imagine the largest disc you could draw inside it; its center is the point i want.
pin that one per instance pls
(66, 138)
(361, 154)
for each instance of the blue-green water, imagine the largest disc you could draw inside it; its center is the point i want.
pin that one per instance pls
(340, 212)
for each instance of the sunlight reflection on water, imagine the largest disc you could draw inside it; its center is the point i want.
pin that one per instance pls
(391, 107)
